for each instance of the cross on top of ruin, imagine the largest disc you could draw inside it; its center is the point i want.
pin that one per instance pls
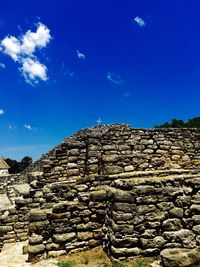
(99, 121)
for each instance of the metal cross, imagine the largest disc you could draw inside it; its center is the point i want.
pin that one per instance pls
(99, 121)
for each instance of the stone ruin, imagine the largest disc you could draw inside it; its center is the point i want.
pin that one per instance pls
(132, 191)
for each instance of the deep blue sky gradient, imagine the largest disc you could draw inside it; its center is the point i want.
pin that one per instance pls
(159, 64)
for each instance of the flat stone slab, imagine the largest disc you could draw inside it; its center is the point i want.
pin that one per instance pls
(4, 202)
(12, 256)
(180, 257)
(22, 188)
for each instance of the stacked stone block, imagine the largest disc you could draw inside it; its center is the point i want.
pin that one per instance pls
(14, 222)
(78, 202)
(147, 215)
(113, 149)
(72, 224)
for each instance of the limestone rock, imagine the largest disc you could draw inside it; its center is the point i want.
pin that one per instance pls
(176, 212)
(172, 225)
(110, 158)
(36, 249)
(65, 237)
(125, 251)
(37, 215)
(35, 239)
(177, 257)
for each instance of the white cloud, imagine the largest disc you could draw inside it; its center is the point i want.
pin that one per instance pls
(1, 111)
(10, 127)
(114, 78)
(27, 44)
(139, 21)
(32, 40)
(80, 55)
(32, 70)
(2, 65)
(22, 50)
(27, 126)
(11, 46)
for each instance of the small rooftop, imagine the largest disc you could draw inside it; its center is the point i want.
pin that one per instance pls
(3, 164)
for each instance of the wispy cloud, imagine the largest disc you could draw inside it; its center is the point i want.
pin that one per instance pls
(2, 65)
(139, 21)
(114, 78)
(1, 111)
(80, 54)
(66, 71)
(30, 127)
(27, 126)
(22, 51)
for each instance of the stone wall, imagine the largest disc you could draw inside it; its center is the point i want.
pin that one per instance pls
(120, 214)
(146, 215)
(15, 204)
(101, 186)
(119, 148)
(14, 221)
(88, 162)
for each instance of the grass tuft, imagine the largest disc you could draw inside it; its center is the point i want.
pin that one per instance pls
(118, 264)
(138, 264)
(65, 264)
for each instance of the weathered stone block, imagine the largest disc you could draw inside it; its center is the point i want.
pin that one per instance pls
(36, 249)
(125, 251)
(142, 209)
(113, 169)
(85, 235)
(38, 226)
(176, 257)
(172, 225)
(157, 242)
(5, 229)
(37, 215)
(124, 241)
(185, 237)
(195, 208)
(110, 158)
(123, 196)
(121, 216)
(65, 237)
(196, 229)
(56, 253)
(176, 213)
(100, 195)
(35, 239)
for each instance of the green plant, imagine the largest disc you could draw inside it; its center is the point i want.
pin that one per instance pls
(64, 264)
(138, 264)
(118, 264)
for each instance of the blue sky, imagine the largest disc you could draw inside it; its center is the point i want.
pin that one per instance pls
(65, 63)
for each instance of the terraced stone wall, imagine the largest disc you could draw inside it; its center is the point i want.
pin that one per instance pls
(90, 159)
(146, 215)
(14, 221)
(111, 149)
(66, 206)
(104, 210)
(15, 204)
